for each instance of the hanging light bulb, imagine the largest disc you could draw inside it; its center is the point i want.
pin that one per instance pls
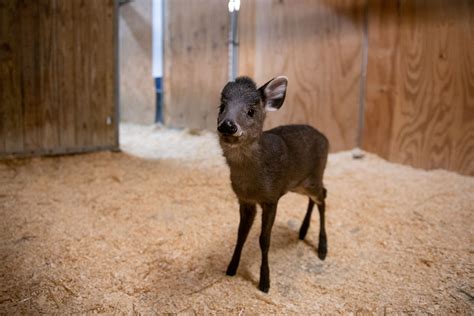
(237, 5)
(234, 5)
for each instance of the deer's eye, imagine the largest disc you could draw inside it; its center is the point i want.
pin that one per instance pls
(221, 108)
(251, 112)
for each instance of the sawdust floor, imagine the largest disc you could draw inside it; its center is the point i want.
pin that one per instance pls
(114, 233)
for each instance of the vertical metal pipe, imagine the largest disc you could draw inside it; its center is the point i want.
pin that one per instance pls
(158, 26)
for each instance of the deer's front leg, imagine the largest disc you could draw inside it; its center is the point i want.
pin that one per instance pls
(268, 218)
(247, 215)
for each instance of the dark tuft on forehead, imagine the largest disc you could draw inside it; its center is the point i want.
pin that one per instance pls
(243, 88)
(246, 82)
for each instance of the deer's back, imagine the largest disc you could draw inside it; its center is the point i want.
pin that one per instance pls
(302, 141)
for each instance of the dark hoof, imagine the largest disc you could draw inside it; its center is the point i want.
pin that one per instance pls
(322, 252)
(302, 235)
(264, 287)
(322, 247)
(231, 271)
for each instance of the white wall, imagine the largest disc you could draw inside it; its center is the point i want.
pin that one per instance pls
(137, 88)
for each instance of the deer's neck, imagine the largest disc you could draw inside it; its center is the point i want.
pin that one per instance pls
(245, 154)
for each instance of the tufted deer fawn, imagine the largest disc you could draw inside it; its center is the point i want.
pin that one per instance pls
(266, 165)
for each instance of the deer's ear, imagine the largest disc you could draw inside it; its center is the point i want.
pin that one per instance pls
(273, 93)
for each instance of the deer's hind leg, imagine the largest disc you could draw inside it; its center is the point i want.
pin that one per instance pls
(317, 196)
(307, 220)
(323, 242)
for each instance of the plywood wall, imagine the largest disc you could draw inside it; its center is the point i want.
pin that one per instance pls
(419, 90)
(137, 88)
(196, 61)
(420, 84)
(57, 72)
(318, 46)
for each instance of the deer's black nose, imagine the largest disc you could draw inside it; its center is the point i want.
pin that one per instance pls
(227, 127)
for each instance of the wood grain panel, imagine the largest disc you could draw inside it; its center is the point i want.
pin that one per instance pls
(10, 93)
(48, 80)
(318, 46)
(57, 76)
(382, 76)
(97, 74)
(196, 61)
(30, 83)
(110, 45)
(247, 38)
(420, 95)
(66, 73)
(82, 64)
